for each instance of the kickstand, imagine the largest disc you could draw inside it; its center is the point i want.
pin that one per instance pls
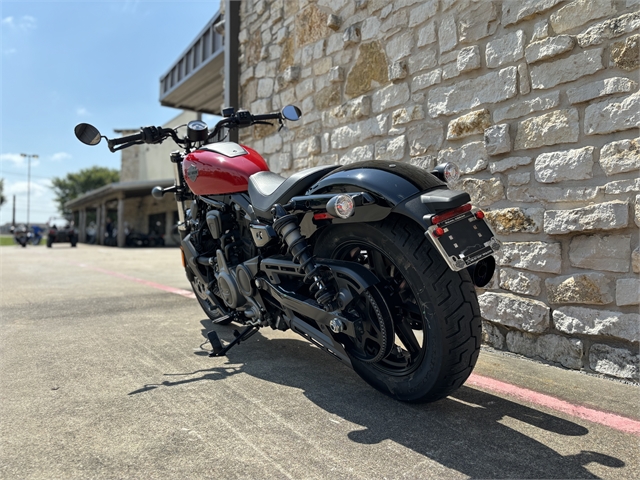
(219, 350)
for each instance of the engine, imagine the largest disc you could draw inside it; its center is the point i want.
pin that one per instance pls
(227, 256)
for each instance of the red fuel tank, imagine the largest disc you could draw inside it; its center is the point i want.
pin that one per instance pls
(221, 168)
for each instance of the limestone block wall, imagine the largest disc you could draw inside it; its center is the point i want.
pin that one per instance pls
(536, 100)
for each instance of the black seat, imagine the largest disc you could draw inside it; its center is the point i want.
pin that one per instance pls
(267, 188)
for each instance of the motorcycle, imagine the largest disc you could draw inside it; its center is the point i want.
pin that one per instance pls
(373, 262)
(21, 235)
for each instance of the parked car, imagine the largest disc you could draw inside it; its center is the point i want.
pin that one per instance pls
(61, 230)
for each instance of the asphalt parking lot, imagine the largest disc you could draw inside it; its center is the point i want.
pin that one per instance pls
(104, 374)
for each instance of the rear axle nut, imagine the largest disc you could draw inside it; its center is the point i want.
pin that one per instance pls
(337, 326)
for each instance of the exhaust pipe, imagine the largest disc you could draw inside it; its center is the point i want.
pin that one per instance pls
(482, 271)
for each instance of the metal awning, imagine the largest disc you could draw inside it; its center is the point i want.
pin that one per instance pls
(195, 80)
(113, 190)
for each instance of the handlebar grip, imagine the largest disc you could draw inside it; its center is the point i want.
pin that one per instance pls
(267, 116)
(128, 138)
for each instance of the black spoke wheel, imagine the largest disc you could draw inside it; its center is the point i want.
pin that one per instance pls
(404, 349)
(212, 311)
(434, 314)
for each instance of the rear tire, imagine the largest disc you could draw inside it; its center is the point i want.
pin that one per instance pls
(435, 313)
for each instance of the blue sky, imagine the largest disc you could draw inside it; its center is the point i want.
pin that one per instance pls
(66, 62)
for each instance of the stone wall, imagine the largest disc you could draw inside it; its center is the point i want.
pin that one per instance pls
(536, 100)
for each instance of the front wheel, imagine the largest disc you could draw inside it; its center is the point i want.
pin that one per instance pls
(434, 324)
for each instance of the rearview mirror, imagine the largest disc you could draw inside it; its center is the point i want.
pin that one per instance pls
(291, 112)
(87, 134)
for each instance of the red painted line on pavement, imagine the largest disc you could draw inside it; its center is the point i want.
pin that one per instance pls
(617, 422)
(177, 291)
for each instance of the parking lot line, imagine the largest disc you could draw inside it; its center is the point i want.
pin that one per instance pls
(617, 422)
(166, 288)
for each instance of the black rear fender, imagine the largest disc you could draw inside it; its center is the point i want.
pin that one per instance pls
(396, 188)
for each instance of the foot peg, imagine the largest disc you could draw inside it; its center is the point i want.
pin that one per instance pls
(218, 350)
(221, 319)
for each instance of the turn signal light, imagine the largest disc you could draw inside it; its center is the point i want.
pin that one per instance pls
(341, 206)
(447, 172)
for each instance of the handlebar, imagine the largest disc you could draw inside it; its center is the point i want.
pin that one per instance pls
(129, 138)
(242, 119)
(146, 135)
(153, 135)
(267, 116)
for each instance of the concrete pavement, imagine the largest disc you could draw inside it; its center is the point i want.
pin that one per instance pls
(102, 376)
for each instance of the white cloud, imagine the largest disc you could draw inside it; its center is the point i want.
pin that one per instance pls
(17, 160)
(24, 23)
(39, 188)
(60, 156)
(41, 196)
(13, 158)
(82, 112)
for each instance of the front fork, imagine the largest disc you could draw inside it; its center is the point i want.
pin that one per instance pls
(176, 159)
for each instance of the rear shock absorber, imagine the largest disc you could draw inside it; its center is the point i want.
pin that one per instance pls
(287, 227)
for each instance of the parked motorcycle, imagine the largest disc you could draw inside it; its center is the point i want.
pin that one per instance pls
(373, 262)
(21, 235)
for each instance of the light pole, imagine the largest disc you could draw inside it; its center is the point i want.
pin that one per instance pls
(29, 157)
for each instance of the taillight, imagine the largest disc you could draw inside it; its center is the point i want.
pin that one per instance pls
(451, 213)
(323, 216)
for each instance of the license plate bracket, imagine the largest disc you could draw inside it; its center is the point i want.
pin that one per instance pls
(467, 239)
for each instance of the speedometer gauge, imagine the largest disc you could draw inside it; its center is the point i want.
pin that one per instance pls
(197, 131)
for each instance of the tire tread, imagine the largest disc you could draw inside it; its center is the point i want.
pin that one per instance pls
(453, 294)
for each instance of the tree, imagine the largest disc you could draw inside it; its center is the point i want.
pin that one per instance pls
(75, 184)
(2, 199)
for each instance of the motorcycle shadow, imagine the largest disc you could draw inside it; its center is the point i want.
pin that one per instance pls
(464, 432)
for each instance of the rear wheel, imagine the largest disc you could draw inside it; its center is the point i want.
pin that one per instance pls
(431, 312)
(212, 311)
